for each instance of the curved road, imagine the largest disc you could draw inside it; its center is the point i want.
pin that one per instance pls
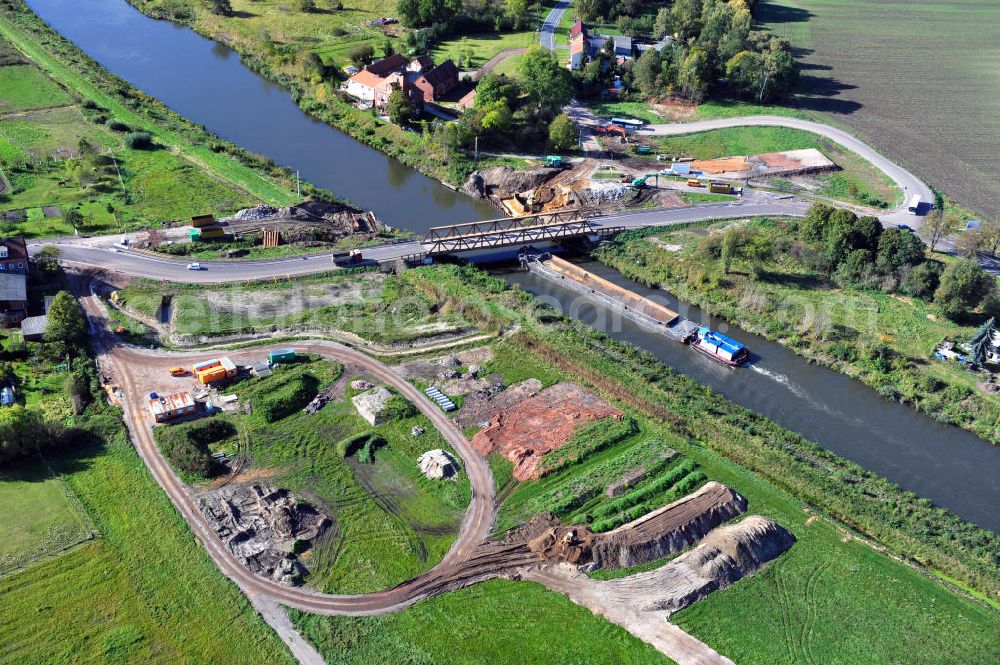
(551, 24)
(473, 531)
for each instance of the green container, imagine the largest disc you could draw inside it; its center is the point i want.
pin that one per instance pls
(281, 355)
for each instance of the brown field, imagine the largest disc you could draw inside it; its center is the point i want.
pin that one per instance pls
(918, 79)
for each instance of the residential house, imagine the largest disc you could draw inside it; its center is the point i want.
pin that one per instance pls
(623, 46)
(33, 328)
(437, 82)
(577, 30)
(577, 51)
(362, 86)
(14, 265)
(420, 64)
(382, 68)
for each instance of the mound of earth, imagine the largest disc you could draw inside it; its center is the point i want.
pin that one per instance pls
(653, 536)
(481, 406)
(526, 431)
(503, 181)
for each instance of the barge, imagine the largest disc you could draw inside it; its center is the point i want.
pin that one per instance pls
(643, 311)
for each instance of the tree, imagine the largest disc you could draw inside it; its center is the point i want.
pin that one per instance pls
(47, 258)
(66, 323)
(646, 73)
(562, 133)
(496, 117)
(982, 341)
(548, 84)
(813, 225)
(22, 431)
(685, 18)
(922, 280)
(693, 74)
(222, 7)
(897, 248)
(361, 54)
(307, 5)
(661, 25)
(964, 284)
(73, 217)
(399, 108)
(495, 87)
(938, 226)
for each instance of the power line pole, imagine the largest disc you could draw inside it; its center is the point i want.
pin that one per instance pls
(298, 185)
(119, 172)
(477, 148)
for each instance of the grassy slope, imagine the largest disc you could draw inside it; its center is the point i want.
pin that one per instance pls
(24, 87)
(475, 50)
(911, 327)
(916, 79)
(143, 591)
(14, 29)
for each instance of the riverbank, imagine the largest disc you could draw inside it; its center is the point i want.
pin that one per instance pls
(252, 174)
(884, 340)
(274, 58)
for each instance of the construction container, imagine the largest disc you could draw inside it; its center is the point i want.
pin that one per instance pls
(212, 374)
(199, 221)
(193, 235)
(211, 232)
(281, 355)
(228, 365)
(205, 365)
(720, 187)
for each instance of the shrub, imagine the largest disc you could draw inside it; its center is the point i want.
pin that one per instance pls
(118, 126)
(288, 398)
(398, 408)
(365, 441)
(139, 140)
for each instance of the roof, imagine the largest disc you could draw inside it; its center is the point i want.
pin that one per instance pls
(577, 29)
(444, 73)
(393, 63)
(173, 402)
(17, 249)
(423, 61)
(34, 325)
(366, 78)
(469, 100)
(13, 287)
(623, 41)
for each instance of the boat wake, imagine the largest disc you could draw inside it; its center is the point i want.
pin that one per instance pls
(782, 379)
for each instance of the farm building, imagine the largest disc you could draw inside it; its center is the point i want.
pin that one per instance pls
(419, 79)
(171, 406)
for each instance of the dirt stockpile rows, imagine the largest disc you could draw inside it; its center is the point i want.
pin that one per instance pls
(653, 536)
(503, 181)
(526, 431)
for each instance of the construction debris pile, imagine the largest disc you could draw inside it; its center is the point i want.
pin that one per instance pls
(311, 222)
(437, 464)
(261, 525)
(478, 408)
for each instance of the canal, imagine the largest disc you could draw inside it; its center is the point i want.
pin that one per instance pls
(208, 84)
(943, 463)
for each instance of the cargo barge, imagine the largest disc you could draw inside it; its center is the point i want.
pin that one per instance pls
(647, 313)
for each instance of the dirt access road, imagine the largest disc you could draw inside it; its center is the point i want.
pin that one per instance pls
(474, 530)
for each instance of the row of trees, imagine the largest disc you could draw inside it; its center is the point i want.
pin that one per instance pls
(711, 41)
(859, 252)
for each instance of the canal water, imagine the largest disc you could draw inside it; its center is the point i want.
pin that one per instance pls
(206, 82)
(945, 464)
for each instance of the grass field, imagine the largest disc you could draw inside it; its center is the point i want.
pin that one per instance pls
(23, 87)
(857, 180)
(916, 79)
(390, 523)
(493, 623)
(473, 51)
(40, 515)
(142, 591)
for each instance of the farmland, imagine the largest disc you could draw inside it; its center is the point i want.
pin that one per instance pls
(917, 80)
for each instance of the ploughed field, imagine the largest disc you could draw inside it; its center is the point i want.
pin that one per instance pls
(916, 79)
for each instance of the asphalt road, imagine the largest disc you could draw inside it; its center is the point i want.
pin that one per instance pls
(551, 23)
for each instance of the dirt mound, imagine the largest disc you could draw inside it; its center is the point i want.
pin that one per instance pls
(525, 432)
(503, 181)
(653, 536)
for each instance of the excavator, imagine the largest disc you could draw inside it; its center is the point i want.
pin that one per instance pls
(640, 183)
(613, 129)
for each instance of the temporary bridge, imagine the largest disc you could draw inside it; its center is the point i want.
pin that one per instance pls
(511, 231)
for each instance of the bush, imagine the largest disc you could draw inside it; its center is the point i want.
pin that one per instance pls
(288, 398)
(186, 445)
(139, 140)
(398, 408)
(118, 126)
(367, 442)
